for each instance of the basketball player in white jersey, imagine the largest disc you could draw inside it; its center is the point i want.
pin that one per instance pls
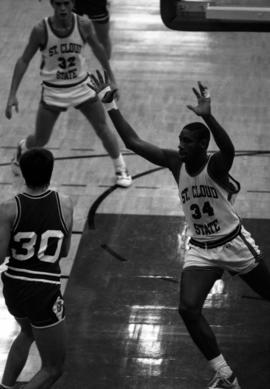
(218, 240)
(62, 38)
(35, 234)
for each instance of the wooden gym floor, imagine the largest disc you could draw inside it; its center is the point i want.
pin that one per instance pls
(121, 277)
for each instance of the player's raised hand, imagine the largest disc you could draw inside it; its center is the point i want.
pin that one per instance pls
(101, 85)
(12, 102)
(203, 106)
(99, 81)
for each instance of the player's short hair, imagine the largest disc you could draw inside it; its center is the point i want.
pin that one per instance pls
(37, 165)
(200, 129)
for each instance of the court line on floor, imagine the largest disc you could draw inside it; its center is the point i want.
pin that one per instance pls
(238, 153)
(93, 209)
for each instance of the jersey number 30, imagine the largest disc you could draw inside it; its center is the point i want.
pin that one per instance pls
(28, 242)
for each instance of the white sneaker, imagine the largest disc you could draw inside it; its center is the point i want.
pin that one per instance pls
(219, 382)
(123, 178)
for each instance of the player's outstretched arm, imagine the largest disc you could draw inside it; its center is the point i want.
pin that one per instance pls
(222, 160)
(100, 84)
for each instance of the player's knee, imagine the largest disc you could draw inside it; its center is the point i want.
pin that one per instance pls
(36, 141)
(41, 140)
(54, 371)
(27, 333)
(189, 312)
(26, 330)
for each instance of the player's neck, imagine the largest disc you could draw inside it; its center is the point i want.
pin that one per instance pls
(196, 165)
(62, 25)
(36, 191)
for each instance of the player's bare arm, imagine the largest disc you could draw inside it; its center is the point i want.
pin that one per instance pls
(36, 39)
(97, 48)
(154, 154)
(67, 211)
(7, 217)
(222, 161)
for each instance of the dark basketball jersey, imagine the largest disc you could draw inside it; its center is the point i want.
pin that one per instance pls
(37, 238)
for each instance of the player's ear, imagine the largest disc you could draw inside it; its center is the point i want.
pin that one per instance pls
(204, 143)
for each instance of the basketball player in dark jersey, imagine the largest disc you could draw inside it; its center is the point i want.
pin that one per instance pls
(98, 12)
(35, 233)
(217, 239)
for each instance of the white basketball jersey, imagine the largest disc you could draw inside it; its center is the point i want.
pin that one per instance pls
(208, 211)
(63, 62)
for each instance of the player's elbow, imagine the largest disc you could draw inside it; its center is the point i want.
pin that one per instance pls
(129, 144)
(231, 151)
(228, 150)
(132, 143)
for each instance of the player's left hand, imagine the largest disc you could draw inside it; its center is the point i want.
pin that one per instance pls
(101, 85)
(204, 101)
(12, 102)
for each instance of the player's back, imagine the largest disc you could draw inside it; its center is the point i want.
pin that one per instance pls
(37, 238)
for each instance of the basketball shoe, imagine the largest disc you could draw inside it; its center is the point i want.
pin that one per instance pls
(219, 382)
(123, 178)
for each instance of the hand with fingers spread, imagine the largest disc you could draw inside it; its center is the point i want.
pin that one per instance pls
(203, 108)
(100, 84)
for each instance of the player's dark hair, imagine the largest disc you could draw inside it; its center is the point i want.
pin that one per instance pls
(51, 1)
(200, 129)
(37, 165)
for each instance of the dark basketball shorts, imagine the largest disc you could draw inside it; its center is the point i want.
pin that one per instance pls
(41, 303)
(96, 10)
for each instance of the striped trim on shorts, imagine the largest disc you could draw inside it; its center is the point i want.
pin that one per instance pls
(238, 255)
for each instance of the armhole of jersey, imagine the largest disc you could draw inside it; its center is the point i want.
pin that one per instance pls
(60, 212)
(45, 26)
(237, 187)
(172, 164)
(18, 213)
(179, 174)
(79, 28)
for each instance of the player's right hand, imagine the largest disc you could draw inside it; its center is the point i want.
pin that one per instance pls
(99, 81)
(100, 84)
(12, 102)
(203, 106)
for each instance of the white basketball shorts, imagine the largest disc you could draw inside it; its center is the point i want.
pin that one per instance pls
(238, 256)
(65, 97)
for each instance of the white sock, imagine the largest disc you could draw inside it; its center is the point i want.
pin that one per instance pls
(119, 162)
(219, 364)
(23, 148)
